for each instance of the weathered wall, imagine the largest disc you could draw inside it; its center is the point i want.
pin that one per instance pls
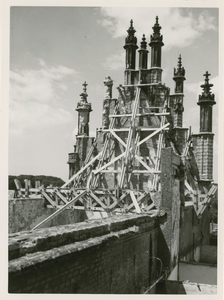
(194, 233)
(208, 254)
(101, 256)
(24, 214)
(203, 153)
(171, 202)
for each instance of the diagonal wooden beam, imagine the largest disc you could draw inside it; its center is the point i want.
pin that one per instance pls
(135, 202)
(81, 170)
(139, 200)
(119, 200)
(97, 199)
(152, 134)
(109, 163)
(60, 210)
(117, 137)
(46, 196)
(143, 163)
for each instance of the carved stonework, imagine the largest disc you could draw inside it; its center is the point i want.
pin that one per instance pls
(108, 83)
(105, 114)
(206, 94)
(131, 39)
(178, 105)
(156, 36)
(83, 123)
(83, 108)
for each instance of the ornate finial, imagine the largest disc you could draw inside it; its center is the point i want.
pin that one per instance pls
(143, 42)
(180, 71)
(83, 103)
(84, 86)
(156, 36)
(131, 39)
(206, 94)
(156, 28)
(206, 86)
(179, 64)
(84, 95)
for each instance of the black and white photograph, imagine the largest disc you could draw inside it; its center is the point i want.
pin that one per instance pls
(112, 135)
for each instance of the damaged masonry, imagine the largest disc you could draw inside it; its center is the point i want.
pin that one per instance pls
(145, 183)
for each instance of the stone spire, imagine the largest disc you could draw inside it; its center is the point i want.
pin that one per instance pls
(130, 47)
(83, 108)
(156, 43)
(179, 78)
(206, 101)
(143, 54)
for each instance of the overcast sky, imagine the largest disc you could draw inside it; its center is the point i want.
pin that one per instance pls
(53, 50)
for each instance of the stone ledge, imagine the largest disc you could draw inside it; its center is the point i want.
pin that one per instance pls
(27, 242)
(39, 257)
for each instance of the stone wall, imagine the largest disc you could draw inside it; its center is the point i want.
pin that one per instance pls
(24, 214)
(208, 254)
(194, 233)
(203, 153)
(112, 255)
(168, 250)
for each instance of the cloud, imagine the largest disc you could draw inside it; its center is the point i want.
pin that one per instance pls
(196, 87)
(115, 61)
(179, 27)
(36, 98)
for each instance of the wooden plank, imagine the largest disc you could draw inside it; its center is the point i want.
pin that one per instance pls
(109, 163)
(26, 187)
(137, 129)
(150, 206)
(143, 84)
(119, 200)
(118, 138)
(19, 187)
(140, 115)
(139, 200)
(138, 210)
(187, 185)
(47, 197)
(154, 133)
(61, 196)
(144, 164)
(59, 210)
(81, 170)
(37, 185)
(97, 199)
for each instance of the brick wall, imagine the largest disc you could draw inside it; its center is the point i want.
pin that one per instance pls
(203, 153)
(194, 233)
(24, 214)
(169, 231)
(208, 254)
(100, 256)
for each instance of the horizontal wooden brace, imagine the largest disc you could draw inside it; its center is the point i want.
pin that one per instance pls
(137, 129)
(133, 171)
(141, 84)
(140, 115)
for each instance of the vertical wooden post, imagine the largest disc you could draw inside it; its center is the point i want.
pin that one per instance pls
(37, 185)
(18, 186)
(26, 187)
